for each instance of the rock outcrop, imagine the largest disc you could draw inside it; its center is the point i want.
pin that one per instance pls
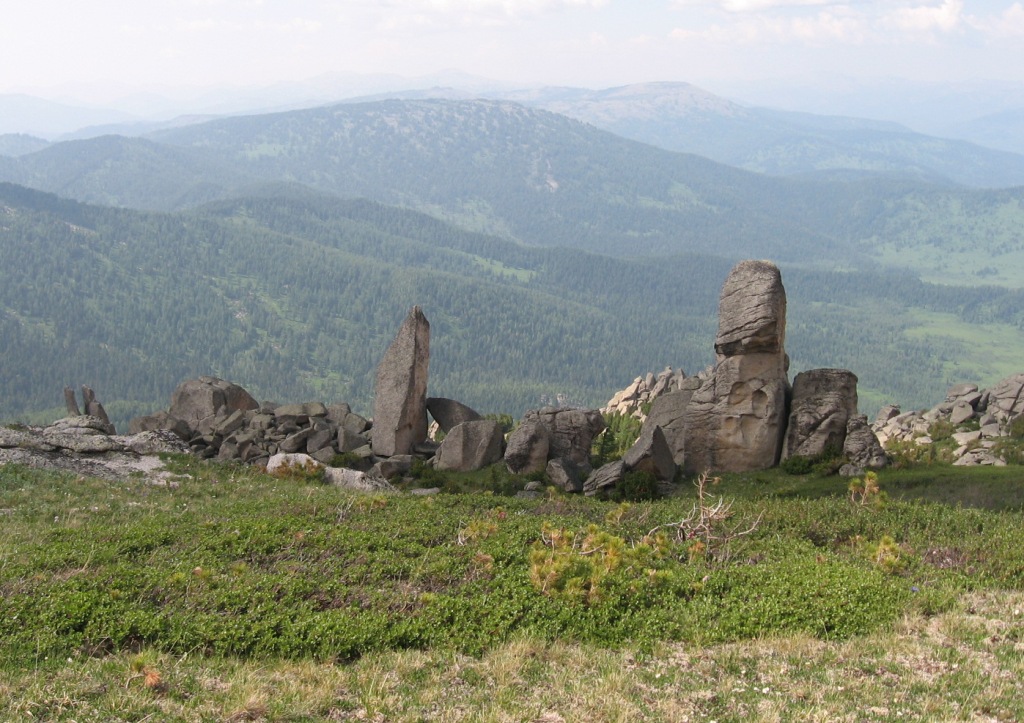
(84, 445)
(736, 420)
(449, 413)
(823, 401)
(567, 433)
(198, 402)
(471, 446)
(977, 420)
(400, 395)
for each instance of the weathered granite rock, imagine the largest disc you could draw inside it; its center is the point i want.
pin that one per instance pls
(1006, 399)
(357, 481)
(280, 463)
(471, 446)
(400, 395)
(961, 412)
(159, 421)
(528, 447)
(668, 411)
(822, 403)
(862, 447)
(197, 402)
(71, 403)
(605, 478)
(572, 432)
(392, 467)
(735, 421)
(93, 408)
(449, 413)
(752, 311)
(565, 475)
(80, 445)
(651, 454)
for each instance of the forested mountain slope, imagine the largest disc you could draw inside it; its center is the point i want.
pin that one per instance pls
(296, 295)
(546, 180)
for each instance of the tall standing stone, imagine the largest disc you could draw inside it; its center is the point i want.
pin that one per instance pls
(400, 396)
(736, 420)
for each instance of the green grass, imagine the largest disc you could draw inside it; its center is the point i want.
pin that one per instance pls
(231, 593)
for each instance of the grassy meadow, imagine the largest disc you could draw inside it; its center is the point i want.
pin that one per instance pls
(232, 595)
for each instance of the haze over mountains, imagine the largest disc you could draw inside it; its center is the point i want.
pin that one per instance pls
(552, 257)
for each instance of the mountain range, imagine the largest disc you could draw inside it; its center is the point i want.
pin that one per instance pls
(553, 258)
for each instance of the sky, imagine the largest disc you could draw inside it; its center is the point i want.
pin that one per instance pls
(71, 47)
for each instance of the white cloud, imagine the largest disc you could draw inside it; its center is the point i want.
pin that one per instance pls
(1008, 24)
(825, 26)
(747, 6)
(927, 18)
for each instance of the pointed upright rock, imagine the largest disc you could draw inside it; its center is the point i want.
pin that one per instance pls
(400, 395)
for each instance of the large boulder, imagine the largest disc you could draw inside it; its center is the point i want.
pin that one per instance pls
(449, 413)
(400, 395)
(1006, 399)
(822, 403)
(572, 432)
(528, 447)
(862, 447)
(605, 478)
(668, 412)
(650, 453)
(198, 402)
(735, 421)
(471, 445)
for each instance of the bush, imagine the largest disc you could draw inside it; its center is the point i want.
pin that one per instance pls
(797, 464)
(636, 487)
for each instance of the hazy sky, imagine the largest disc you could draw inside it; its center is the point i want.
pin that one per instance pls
(56, 44)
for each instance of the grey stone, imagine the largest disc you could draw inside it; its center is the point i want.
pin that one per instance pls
(752, 311)
(564, 474)
(471, 446)
(572, 432)
(605, 478)
(400, 394)
(392, 467)
(158, 421)
(823, 401)
(528, 447)
(348, 440)
(320, 440)
(736, 420)
(669, 412)
(962, 412)
(71, 403)
(198, 401)
(862, 447)
(958, 390)
(650, 453)
(295, 442)
(93, 408)
(357, 481)
(449, 413)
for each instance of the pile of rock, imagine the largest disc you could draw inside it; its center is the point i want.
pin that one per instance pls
(85, 445)
(980, 418)
(219, 419)
(636, 399)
